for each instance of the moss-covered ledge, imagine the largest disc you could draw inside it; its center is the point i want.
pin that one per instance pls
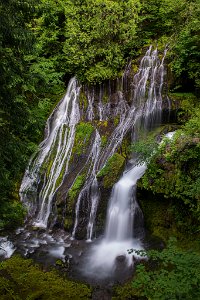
(111, 172)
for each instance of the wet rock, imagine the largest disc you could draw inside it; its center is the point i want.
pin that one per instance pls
(101, 294)
(121, 258)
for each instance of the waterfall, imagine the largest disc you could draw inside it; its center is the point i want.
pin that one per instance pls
(51, 172)
(123, 206)
(90, 184)
(123, 210)
(59, 139)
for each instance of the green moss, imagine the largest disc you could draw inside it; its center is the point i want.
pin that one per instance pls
(68, 222)
(83, 133)
(21, 279)
(111, 172)
(60, 177)
(59, 263)
(103, 123)
(125, 291)
(135, 68)
(49, 166)
(74, 191)
(116, 121)
(104, 140)
(105, 99)
(125, 147)
(83, 100)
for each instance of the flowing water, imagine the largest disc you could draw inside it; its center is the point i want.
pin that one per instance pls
(123, 211)
(135, 107)
(59, 138)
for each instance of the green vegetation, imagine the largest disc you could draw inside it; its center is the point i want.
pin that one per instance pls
(21, 279)
(90, 39)
(45, 42)
(168, 274)
(104, 140)
(111, 172)
(74, 191)
(174, 168)
(24, 102)
(83, 134)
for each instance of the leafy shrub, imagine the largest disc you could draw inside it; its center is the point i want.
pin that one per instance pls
(169, 274)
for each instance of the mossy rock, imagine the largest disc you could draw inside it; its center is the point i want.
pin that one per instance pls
(68, 222)
(165, 218)
(83, 100)
(21, 279)
(104, 140)
(84, 131)
(74, 191)
(111, 172)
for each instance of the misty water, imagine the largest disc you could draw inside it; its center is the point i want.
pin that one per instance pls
(104, 256)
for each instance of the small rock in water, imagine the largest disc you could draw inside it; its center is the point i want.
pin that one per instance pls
(121, 258)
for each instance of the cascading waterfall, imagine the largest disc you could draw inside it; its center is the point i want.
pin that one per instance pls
(60, 138)
(49, 168)
(123, 206)
(90, 183)
(120, 233)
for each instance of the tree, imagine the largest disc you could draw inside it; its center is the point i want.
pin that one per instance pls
(17, 101)
(91, 39)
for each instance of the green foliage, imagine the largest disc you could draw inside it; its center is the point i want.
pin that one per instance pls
(192, 127)
(186, 50)
(111, 172)
(144, 149)
(74, 190)
(176, 24)
(23, 111)
(90, 39)
(21, 279)
(174, 170)
(187, 104)
(12, 214)
(161, 17)
(83, 134)
(170, 274)
(16, 41)
(125, 291)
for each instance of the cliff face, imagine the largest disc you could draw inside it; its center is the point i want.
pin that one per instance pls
(93, 142)
(68, 182)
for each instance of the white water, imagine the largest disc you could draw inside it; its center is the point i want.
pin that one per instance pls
(6, 247)
(49, 167)
(63, 153)
(123, 207)
(119, 226)
(90, 184)
(61, 128)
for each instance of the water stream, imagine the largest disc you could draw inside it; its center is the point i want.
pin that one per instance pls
(123, 212)
(50, 172)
